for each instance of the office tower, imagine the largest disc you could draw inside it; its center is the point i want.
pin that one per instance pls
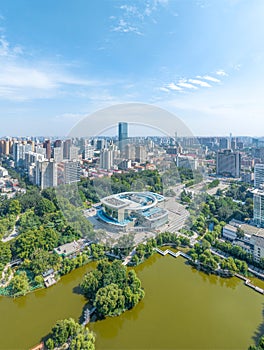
(122, 131)
(228, 163)
(141, 154)
(259, 176)
(258, 201)
(47, 146)
(106, 159)
(122, 135)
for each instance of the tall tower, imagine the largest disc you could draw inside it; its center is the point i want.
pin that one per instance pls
(122, 135)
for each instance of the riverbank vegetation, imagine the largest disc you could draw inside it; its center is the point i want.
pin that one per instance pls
(259, 346)
(70, 334)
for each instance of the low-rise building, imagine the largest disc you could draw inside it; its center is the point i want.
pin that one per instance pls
(68, 250)
(248, 237)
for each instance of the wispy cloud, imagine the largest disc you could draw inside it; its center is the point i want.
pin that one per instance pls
(22, 78)
(187, 85)
(174, 87)
(6, 50)
(125, 27)
(221, 73)
(133, 18)
(209, 78)
(199, 82)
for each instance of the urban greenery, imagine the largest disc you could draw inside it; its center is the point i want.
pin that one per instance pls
(70, 333)
(111, 288)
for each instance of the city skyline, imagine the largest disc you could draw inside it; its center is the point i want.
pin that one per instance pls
(200, 60)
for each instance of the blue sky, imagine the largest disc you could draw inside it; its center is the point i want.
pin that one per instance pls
(62, 60)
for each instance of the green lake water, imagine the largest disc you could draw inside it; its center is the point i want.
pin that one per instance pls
(182, 309)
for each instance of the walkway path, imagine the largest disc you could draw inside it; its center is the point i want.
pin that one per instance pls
(13, 234)
(4, 282)
(129, 257)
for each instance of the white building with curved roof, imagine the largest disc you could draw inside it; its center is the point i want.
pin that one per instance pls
(133, 209)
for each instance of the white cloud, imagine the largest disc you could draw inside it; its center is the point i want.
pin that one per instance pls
(174, 87)
(187, 85)
(199, 82)
(209, 78)
(6, 50)
(134, 17)
(221, 72)
(125, 27)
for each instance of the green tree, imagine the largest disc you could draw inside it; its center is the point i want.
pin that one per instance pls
(109, 301)
(19, 284)
(91, 283)
(14, 207)
(5, 254)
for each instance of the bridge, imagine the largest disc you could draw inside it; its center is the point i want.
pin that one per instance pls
(174, 254)
(249, 284)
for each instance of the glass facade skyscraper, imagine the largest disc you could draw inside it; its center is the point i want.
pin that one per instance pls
(122, 131)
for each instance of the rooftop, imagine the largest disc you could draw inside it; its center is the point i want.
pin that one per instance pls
(132, 200)
(68, 248)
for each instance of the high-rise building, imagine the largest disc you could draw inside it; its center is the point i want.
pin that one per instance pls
(72, 172)
(258, 201)
(100, 144)
(66, 149)
(73, 153)
(259, 176)
(47, 145)
(58, 154)
(228, 163)
(223, 143)
(88, 151)
(46, 174)
(130, 151)
(122, 131)
(5, 147)
(141, 154)
(19, 151)
(122, 135)
(57, 143)
(106, 159)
